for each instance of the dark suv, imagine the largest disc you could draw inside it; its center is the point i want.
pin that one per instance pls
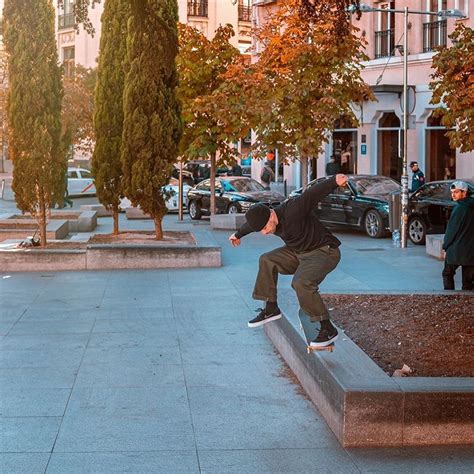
(429, 209)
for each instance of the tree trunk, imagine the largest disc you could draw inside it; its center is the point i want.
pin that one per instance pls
(213, 183)
(304, 169)
(158, 229)
(42, 221)
(115, 215)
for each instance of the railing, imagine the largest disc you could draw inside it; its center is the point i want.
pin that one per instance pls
(434, 35)
(65, 21)
(384, 43)
(197, 8)
(245, 12)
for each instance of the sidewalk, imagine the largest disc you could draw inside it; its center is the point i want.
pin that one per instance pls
(156, 371)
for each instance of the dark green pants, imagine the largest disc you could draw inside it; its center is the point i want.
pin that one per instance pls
(309, 270)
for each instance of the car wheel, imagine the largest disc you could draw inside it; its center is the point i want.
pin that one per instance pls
(373, 224)
(417, 231)
(194, 211)
(233, 209)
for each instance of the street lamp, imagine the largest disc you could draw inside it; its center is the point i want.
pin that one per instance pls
(364, 8)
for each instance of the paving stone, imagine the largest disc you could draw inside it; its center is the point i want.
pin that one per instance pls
(144, 462)
(33, 402)
(31, 463)
(30, 434)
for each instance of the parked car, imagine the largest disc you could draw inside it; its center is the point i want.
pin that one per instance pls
(80, 182)
(363, 204)
(429, 209)
(234, 194)
(171, 202)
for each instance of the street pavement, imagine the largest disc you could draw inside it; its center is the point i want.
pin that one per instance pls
(156, 371)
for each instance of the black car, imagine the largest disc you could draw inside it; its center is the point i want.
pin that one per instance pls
(234, 194)
(429, 209)
(363, 204)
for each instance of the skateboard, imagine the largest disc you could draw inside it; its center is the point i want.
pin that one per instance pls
(310, 331)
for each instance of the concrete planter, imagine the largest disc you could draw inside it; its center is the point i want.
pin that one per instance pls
(434, 246)
(227, 221)
(108, 257)
(365, 407)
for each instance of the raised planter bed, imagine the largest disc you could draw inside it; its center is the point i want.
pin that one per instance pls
(22, 227)
(178, 253)
(366, 407)
(227, 221)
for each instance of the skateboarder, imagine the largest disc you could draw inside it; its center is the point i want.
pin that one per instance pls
(310, 253)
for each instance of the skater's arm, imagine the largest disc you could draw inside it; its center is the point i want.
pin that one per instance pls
(244, 230)
(311, 196)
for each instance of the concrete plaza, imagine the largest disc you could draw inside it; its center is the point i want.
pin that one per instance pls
(156, 371)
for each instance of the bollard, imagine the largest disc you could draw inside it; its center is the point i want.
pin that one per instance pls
(3, 188)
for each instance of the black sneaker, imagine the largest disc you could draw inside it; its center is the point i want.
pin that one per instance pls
(325, 337)
(264, 317)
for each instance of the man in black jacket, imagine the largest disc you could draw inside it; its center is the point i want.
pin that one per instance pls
(310, 253)
(459, 238)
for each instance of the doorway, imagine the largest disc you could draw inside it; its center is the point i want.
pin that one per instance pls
(390, 145)
(440, 158)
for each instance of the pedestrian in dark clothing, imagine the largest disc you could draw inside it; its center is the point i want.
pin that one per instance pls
(267, 175)
(236, 170)
(332, 167)
(459, 238)
(418, 179)
(310, 253)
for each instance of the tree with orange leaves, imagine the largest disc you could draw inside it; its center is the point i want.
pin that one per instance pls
(306, 76)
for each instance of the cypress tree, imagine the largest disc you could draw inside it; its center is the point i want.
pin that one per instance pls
(108, 117)
(34, 108)
(152, 126)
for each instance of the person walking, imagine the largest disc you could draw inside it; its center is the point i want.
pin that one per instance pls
(267, 175)
(310, 253)
(332, 167)
(458, 239)
(236, 170)
(418, 178)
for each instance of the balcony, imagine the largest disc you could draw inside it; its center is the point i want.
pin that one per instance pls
(384, 43)
(245, 12)
(434, 35)
(65, 21)
(197, 8)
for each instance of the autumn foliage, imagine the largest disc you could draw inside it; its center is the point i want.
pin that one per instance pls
(453, 85)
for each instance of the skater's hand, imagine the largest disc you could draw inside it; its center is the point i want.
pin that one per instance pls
(234, 240)
(341, 179)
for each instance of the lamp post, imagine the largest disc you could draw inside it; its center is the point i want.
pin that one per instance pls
(404, 181)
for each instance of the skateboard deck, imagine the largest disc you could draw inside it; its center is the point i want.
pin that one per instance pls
(310, 331)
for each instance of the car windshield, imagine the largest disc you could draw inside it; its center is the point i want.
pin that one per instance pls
(372, 186)
(242, 185)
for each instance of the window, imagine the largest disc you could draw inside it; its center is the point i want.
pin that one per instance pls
(435, 191)
(86, 174)
(434, 30)
(69, 61)
(197, 8)
(384, 42)
(66, 15)
(245, 10)
(72, 174)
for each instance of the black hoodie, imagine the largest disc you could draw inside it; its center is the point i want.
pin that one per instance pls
(459, 236)
(298, 226)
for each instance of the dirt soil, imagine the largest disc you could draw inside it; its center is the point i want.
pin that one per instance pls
(433, 335)
(145, 237)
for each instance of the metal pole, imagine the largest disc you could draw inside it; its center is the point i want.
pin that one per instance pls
(180, 192)
(404, 193)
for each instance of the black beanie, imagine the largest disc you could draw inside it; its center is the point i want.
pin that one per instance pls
(257, 216)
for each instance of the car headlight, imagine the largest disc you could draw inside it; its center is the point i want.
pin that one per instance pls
(245, 204)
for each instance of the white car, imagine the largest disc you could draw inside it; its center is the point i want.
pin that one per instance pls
(80, 182)
(171, 202)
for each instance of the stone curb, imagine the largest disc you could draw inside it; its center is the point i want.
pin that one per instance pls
(365, 407)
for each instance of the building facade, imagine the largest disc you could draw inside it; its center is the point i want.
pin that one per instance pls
(376, 146)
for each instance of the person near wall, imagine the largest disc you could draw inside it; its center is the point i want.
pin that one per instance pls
(418, 178)
(332, 167)
(458, 239)
(267, 175)
(310, 252)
